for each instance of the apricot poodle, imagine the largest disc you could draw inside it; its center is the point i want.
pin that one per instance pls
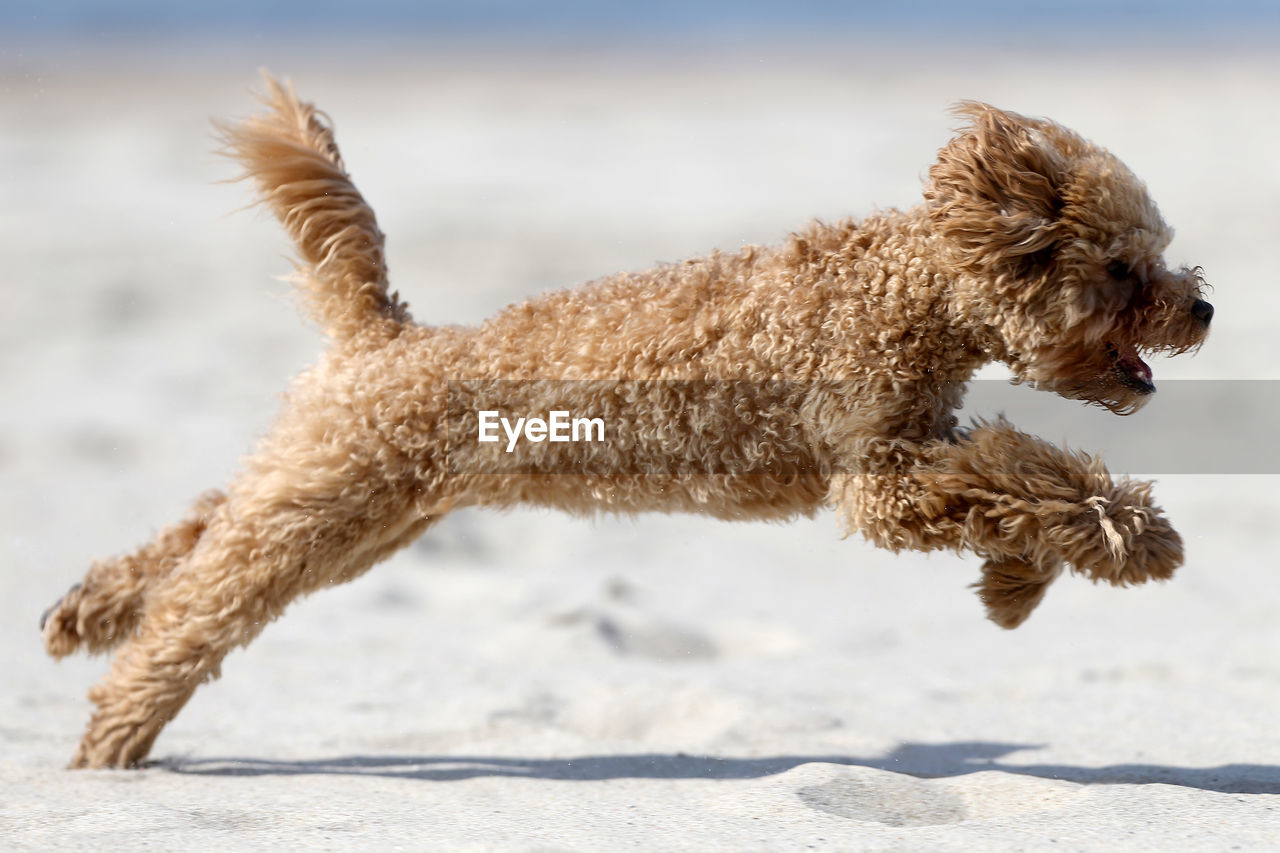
(764, 383)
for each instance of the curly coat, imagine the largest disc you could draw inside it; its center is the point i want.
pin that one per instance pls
(766, 383)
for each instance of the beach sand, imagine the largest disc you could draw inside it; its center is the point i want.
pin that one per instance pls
(531, 681)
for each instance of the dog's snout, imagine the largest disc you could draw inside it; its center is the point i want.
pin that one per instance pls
(1203, 311)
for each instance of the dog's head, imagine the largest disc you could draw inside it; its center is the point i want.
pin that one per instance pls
(1058, 254)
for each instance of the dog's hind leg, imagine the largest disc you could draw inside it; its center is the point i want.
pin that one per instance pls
(255, 558)
(103, 609)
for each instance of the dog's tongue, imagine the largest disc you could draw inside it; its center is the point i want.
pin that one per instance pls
(1131, 363)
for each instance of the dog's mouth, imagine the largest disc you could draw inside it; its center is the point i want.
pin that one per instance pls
(1130, 370)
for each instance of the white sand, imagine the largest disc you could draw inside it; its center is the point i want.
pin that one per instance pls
(534, 682)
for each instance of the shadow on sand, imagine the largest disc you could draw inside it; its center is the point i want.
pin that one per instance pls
(924, 761)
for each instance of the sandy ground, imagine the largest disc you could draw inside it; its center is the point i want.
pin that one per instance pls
(530, 681)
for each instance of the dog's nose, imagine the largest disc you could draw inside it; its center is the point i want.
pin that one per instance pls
(1202, 310)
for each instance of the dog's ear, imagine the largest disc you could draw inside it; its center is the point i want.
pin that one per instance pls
(995, 191)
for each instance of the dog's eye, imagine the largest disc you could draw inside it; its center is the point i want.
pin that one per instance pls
(1119, 270)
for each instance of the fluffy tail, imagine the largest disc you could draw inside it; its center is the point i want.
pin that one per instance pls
(290, 154)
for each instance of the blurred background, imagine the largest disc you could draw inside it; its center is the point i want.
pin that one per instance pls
(513, 147)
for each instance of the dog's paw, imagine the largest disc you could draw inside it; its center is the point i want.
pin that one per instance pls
(85, 619)
(111, 742)
(59, 624)
(1123, 538)
(1011, 587)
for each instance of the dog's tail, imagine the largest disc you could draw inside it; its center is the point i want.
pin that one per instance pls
(290, 154)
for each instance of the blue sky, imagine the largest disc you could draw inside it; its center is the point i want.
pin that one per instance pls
(1092, 18)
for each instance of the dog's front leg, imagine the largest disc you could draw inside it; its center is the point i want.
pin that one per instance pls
(1022, 503)
(902, 509)
(1015, 494)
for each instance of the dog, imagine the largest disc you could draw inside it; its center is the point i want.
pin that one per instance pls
(766, 383)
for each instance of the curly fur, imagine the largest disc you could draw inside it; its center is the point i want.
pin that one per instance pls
(764, 383)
